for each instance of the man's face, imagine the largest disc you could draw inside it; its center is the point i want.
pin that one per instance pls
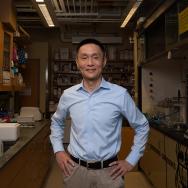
(90, 61)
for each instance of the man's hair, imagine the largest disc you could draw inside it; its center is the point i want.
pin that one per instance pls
(91, 41)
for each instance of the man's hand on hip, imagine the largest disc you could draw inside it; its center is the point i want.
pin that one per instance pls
(120, 168)
(65, 163)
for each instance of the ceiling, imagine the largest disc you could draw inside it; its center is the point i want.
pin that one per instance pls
(27, 14)
(82, 17)
(70, 12)
(89, 10)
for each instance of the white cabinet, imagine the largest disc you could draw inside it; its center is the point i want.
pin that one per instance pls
(145, 161)
(157, 170)
(170, 177)
(171, 161)
(176, 160)
(156, 141)
(153, 163)
(158, 164)
(164, 161)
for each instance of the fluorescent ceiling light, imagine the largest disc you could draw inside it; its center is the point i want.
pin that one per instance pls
(46, 15)
(131, 13)
(39, 1)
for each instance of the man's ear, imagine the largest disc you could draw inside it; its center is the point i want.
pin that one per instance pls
(77, 64)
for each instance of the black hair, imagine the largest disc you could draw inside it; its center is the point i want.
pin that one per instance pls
(91, 41)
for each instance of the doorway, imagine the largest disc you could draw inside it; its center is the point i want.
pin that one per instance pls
(30, 96)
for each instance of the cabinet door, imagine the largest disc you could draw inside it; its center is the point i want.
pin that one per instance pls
(29, 168)
(170, 177)
(32, 174)
(152, 162)
(156, 139)
(145, 161)
(154, 167)
(157, 170)
(158, 164)
(171, 151)
(171, 161)
(9, 172)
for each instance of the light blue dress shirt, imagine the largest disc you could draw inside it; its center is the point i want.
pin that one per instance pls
(96, 122)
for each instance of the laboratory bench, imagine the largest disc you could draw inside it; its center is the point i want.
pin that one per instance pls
(26, 162)
(176, 132)
(165, 161)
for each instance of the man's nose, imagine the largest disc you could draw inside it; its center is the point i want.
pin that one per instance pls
(90, 61)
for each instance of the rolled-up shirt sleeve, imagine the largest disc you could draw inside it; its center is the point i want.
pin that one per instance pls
(57, 125)
(139, 123)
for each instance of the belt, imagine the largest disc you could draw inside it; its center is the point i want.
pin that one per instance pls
(94, 165)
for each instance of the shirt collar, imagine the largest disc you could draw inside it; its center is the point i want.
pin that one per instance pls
(104, 84)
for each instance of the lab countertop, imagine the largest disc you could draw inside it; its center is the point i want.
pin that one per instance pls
(174, 133)
(26, 135)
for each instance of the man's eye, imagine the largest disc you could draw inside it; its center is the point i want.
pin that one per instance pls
(96, 57)
(84, 57)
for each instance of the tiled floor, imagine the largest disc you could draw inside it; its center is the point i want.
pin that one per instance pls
(132, 180)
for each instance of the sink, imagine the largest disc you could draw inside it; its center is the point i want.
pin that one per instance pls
(9, 131)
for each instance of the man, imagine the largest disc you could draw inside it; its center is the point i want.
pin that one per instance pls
(96, 108)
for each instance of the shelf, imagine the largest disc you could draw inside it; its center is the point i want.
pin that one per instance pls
(64, 74)
(160, 8)
(176, 48)
(163, 35)
(18, 87)
(6, 87)
(65, 85)
(157, 56)
(126, 62)
(64, 60)
(108, 61)
(6, 50)
(180, 44)
(78, 73)
(113, 73)
(22, 40)
(127, 85)
(21, 37)
(71, 72)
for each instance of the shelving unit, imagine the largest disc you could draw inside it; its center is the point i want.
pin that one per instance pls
(165, 33)
(64, 73)
(11, 82)
(6, 51)
(120, 72)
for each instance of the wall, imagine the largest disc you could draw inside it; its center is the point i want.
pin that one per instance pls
(167, 78)
(39, 50)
